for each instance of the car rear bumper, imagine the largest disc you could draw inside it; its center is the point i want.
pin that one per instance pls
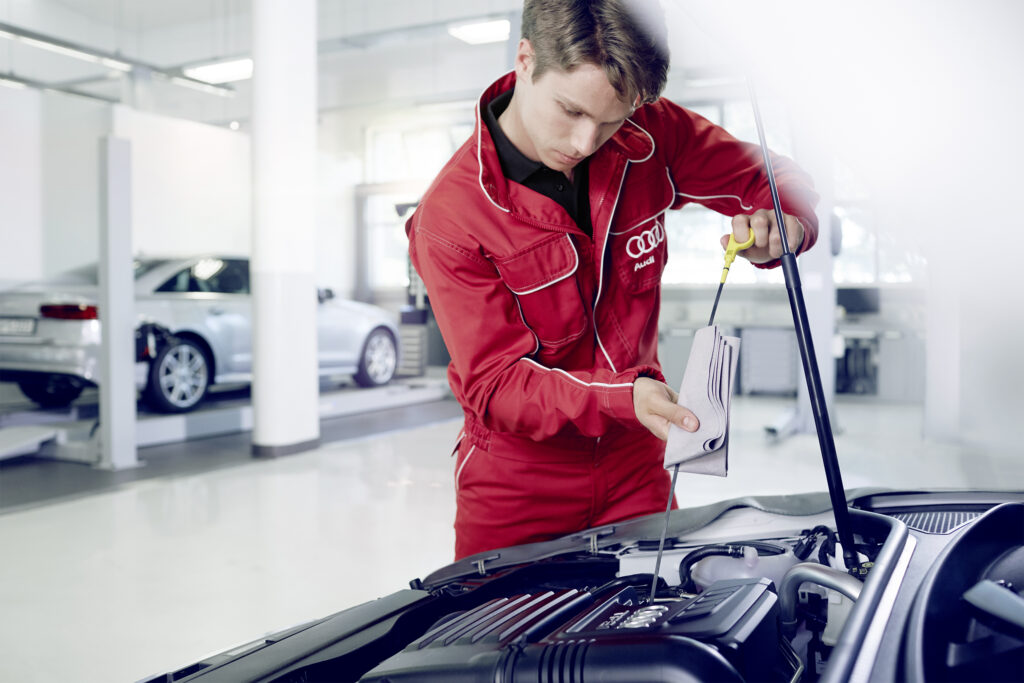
(83, 364)
(49, 358)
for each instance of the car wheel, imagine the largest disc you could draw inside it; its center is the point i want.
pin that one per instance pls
(178, 377)
(51, 391)
(379, 359)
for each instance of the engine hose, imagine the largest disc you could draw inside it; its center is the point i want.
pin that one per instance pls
(724, 549)
(695, 556)
(812, 572)
(763, 548)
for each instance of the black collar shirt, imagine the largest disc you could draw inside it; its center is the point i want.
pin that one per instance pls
(572, 196)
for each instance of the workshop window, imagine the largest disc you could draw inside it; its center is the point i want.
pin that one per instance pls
(857, 262)
(401, 160)
(874, 250)
(386, 244)
(695, 254)
(411, 153)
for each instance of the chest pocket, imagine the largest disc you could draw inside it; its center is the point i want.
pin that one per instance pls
(543, 279)
(640, 255)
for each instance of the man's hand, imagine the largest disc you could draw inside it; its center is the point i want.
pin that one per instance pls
(656, 408)
(767, 238)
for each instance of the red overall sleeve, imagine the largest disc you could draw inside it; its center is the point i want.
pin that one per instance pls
(711, 167)
(490, 346)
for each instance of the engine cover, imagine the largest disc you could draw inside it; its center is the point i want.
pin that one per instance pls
(727, 633)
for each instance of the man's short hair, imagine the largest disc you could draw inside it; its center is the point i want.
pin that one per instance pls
(625, 38)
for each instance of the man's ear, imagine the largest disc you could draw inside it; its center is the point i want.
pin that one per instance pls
(524, 59)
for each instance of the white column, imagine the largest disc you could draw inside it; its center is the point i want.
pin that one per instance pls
(116, 308)
(942, 394)
(285, 381)
(820, 299)
(819, 293)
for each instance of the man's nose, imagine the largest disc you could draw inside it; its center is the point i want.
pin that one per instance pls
(584, 138)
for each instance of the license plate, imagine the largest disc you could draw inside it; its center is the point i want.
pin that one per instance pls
(17, 326)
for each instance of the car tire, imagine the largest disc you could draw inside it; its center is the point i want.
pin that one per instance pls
(179, 377)
(51, 391)
(379, 359)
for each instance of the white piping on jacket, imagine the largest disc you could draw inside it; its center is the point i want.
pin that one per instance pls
(548, 284)
(458, 474)
(479, 158)
(577, 381)
(718, 196)
(536, 339)
(649, 137)
(600, 270)
(672, 196)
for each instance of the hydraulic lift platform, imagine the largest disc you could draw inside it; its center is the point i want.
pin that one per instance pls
(70, 434)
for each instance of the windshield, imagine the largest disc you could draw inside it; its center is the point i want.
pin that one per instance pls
(89, 274)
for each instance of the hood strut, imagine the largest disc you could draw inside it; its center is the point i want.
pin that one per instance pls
(826, 443)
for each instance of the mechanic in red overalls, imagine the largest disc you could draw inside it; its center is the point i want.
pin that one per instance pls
(542, 243)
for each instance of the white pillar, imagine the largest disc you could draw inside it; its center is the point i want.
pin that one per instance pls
(819, 290)
(285, 382)
(942, 395)
(819, 293)
(116, 308)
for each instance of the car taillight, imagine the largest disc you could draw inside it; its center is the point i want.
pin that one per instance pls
(69, 311)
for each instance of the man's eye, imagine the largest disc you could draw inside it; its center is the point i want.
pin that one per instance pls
(571, 112)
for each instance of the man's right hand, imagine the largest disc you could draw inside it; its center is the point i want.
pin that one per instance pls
(655, 405)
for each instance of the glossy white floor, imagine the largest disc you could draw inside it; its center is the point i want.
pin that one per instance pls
(159, 573)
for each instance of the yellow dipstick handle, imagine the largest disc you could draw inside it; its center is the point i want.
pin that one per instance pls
(730, 251)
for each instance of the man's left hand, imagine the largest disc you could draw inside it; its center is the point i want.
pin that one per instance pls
(767, 238)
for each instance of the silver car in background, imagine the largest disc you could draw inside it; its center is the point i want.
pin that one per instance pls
(50, 333)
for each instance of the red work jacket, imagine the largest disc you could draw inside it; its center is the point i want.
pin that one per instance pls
(547, 327)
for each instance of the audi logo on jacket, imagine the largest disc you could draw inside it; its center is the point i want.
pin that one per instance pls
(546, 326)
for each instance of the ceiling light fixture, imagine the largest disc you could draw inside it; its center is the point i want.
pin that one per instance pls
(202, 86)
(481, 32)
(75, 53)
(221, 72)
(111, 61)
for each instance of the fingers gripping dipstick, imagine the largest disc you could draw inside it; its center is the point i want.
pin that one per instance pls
(730, 256)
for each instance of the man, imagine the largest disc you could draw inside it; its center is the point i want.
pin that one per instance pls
(542, 243)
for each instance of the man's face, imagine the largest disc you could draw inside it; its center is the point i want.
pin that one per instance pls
(564, 116)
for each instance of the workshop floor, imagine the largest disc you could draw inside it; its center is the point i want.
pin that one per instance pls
(155, 573)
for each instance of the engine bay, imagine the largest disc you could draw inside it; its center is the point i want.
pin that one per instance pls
(755, 590)
(717, 614)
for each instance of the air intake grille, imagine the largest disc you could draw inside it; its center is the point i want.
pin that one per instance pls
(503, 619)
(943, 522)
(563, 662)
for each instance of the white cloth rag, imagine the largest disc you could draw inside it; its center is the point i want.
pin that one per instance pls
(707, 391)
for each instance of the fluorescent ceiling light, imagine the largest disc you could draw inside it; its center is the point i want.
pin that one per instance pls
(76, 54)
(459, 105)
(202, 87)
(222, 72)
(713, 81)
(481, 32)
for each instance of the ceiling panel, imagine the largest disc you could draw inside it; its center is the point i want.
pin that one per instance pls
(146, 15)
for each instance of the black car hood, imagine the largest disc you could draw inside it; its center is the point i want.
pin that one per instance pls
(639, 530)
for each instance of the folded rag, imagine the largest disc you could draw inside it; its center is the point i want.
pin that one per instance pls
(707, 391)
